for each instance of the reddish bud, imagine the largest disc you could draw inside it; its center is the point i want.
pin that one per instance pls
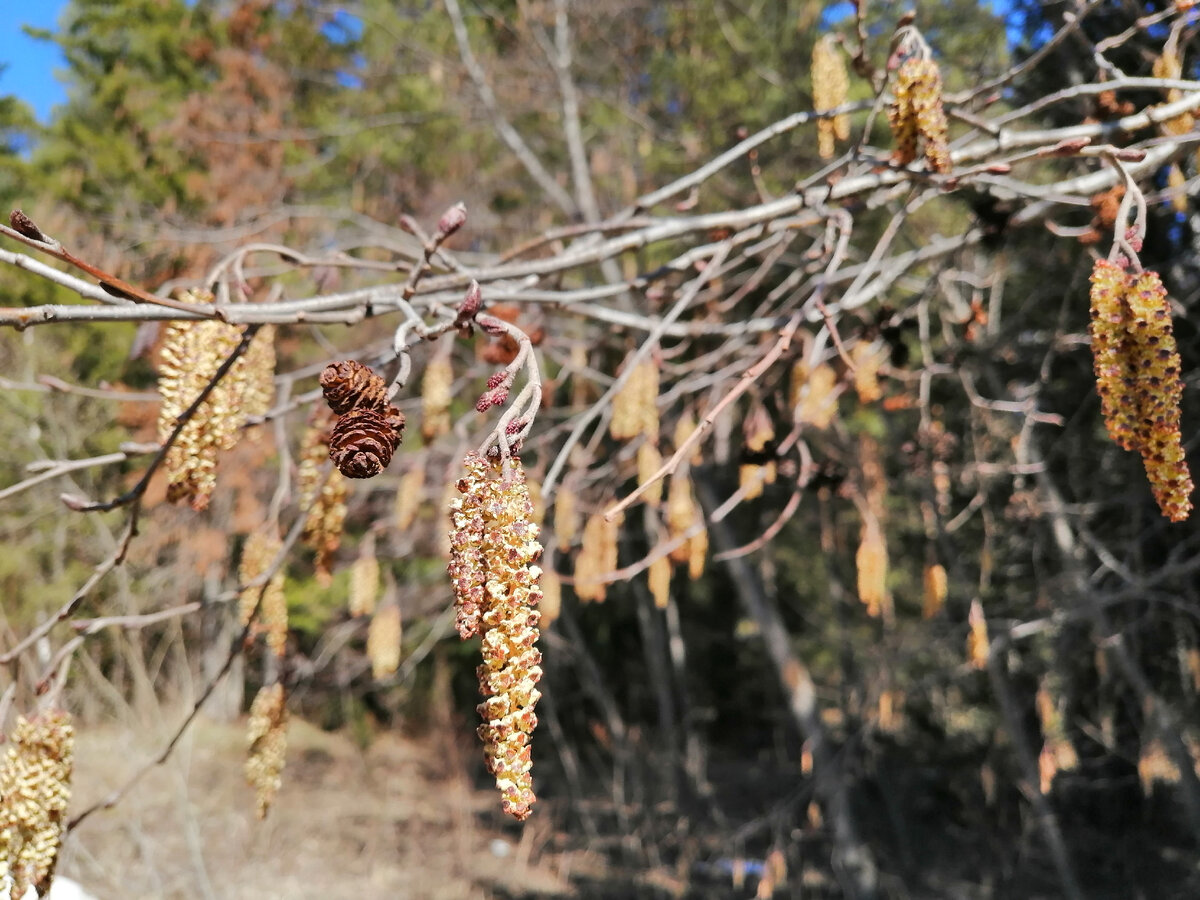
(494, 381)
(452, 219)
(22, 223)
(492, 398)
(469, 308)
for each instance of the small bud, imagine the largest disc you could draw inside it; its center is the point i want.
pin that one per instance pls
(469, 308)
(22, 223)
(1069, 147)
(409, 224)
(492, 398)
(452, 219)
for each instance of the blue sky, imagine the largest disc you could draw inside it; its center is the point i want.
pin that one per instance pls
(30, 64)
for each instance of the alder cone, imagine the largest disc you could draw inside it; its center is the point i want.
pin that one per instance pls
(363, 441)
(348, 385)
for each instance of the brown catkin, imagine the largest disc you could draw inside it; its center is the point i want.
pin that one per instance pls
(191, 354)
(35, 786)
(830, 84)
(266, 735)
(383, 641)
(495, 509)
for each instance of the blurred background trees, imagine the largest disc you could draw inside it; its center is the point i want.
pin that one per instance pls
(933, 532)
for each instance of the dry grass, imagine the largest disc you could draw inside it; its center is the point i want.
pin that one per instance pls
(396, 820)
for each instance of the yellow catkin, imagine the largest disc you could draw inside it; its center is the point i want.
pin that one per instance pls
(270, 600)
(551, 597)
(659, 576)
(935, 590)
(684, 428)
(1160, 394)
(1137, 370)
(830, 84)
(649, 461)
(35, 785)
(322, 490)
(917, 112)
(495, 511)
(759, 433)
(1156, 766)
(1110, 359)
(383, 641)
(436, 386)
(192, 352)
(409, 495)
(682, 514)
(813, 394)
(1170, 66)
(364, 580)
(635, 406)
(1177, 181)
(566, 517)
(977, 636)
(597, 557)
(697, 547)
(868, 358)
(266, 735)
(871, 561)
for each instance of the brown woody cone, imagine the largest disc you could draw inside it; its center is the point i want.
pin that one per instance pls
(363, 441)
(349, 384)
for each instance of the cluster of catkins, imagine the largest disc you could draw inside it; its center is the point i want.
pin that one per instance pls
(916, 114)
(1137, 376)
(368, 428)
(493, 548)
(35, 785)
(192, 352)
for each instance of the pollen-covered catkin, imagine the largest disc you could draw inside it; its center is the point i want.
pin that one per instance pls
(1137, 370)
(191, 354)
(495, 516)
(635, 406)
(364, 580)
(917, 112)
(383, 641)
(830, 84)
(267, 739)
(323, 493)
(35, 785)
(436, 387)
(269, 600)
